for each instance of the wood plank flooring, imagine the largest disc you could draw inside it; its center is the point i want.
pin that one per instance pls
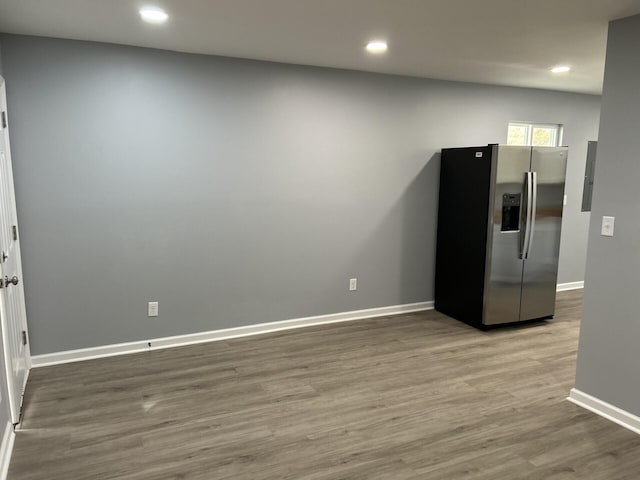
(417, 396)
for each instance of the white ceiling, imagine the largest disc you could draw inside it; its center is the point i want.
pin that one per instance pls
(505, 42)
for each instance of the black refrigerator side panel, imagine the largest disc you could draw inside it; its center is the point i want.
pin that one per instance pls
(463, 210)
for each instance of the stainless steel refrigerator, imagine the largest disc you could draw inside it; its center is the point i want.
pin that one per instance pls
(498, 240)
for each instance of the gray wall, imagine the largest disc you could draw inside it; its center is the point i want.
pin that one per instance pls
(237, 192)
(608, 355)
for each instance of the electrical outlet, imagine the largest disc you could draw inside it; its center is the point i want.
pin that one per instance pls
(152, 309)
(353, 284)
(607, 226)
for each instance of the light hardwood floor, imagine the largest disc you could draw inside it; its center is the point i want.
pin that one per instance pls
(416, 396)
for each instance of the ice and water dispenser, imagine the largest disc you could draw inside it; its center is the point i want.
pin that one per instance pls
(510, 212)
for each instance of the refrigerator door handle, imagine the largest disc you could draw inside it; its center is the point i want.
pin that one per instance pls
(534, 202)
(527, 222)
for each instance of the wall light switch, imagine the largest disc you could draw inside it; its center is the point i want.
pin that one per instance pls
(152, 309)
(564, 201)
(353, 284)
(607, 226)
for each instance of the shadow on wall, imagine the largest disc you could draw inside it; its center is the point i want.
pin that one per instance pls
(420, 221)
(403, 243)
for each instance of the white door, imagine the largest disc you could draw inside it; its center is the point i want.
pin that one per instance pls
(12, 309)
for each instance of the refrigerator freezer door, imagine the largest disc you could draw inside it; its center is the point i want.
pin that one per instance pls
(541, 266)
(503, 279)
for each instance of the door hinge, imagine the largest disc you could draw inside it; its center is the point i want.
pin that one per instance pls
(24, 338)
(4, 119)
(14, 229)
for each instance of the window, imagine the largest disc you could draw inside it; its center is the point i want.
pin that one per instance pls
(535, 134)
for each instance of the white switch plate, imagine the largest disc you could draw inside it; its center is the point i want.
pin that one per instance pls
(564, 202)
(353, 284)
(152, 309)
(607, 226)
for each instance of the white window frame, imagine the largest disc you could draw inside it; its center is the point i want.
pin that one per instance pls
(529, 126)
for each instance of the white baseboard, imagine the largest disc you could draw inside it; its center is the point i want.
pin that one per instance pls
(6, 448)
(68, 356)
(606, 410)
(214, 335)
(563, 287)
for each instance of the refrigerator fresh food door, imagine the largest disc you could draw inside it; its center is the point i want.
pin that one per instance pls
(503, 279)
(539, 279)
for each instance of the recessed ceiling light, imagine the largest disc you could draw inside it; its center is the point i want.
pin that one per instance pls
(377, 46)
(561, 69)
(153, 15)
